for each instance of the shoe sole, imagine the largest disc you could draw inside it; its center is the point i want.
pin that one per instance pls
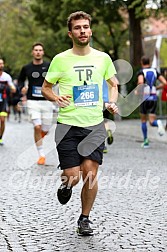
(61, 199)
(84, 234)
(110, 138)
(145, 147)
(105, 151)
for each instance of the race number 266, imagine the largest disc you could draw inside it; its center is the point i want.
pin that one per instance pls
(87, 95)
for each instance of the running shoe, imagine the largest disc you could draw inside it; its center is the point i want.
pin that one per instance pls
(64, 194)
(161, 130)
(105, 149)
(145, 144)
(84, 227)
(41, 161)
(1, 142)
(109, 137)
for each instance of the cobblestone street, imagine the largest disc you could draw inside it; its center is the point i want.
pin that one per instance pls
(130, 211)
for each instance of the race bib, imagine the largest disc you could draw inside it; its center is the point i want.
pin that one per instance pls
(36, 91)
(86, 95)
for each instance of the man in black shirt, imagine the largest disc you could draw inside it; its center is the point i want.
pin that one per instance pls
(39, 109)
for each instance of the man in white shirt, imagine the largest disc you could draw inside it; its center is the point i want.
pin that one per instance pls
(5, 81)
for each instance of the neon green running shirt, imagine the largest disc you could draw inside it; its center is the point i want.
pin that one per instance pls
(82, 78)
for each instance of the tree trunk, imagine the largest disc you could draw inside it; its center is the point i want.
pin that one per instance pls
(135, 37)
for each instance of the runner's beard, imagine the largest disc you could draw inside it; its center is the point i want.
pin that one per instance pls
(80, 43)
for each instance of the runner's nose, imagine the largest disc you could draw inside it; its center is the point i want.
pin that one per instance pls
(82, 30)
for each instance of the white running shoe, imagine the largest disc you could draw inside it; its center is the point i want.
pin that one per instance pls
(161, 130)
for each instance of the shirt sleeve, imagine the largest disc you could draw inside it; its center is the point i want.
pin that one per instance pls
(53, 73)
(140, 72)
(158, 74)
(22, 78)
(10, 82)
(110, 68)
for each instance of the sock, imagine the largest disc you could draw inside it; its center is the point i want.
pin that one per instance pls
(144, 129)
(41, 151)
(154, 123)
(82, 216)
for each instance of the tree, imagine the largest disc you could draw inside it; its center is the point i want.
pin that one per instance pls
(108, 18)
(134, 9)
(137, 11)
(24, 22)
(109, 31)
(18, 31)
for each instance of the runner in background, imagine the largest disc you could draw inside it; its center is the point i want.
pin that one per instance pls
(149, 76)
(5, 82)
(39, 109)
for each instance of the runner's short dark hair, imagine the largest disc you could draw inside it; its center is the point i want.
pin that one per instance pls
(37, 44)
(145, 60)
(76, 16)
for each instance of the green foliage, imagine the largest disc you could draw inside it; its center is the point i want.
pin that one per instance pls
(107, 23)
(18, 32)
(163, 53)
(23, 22)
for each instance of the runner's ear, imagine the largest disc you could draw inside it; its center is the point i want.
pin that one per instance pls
(69, 34)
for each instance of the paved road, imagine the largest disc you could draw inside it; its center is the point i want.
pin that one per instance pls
(130, 212)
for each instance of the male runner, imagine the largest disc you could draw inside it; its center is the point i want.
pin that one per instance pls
(80, 132)
(39, 109)
(148, 75)
(5, 81)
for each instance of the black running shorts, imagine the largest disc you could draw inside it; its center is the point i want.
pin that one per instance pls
(3, 106)
(148, 107)
(74, 144)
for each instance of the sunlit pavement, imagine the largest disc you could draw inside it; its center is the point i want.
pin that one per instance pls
(130, 211)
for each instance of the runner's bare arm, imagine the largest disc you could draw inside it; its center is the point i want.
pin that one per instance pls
(163, 82)
(47, 92)
(140, 79)
(11, 85)
(13, 89)
(113, 95)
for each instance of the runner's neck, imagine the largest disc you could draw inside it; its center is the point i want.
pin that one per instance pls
(37, 62)
(81, 51)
